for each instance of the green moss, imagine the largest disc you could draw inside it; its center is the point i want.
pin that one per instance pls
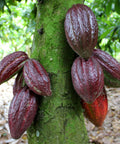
(60, 118)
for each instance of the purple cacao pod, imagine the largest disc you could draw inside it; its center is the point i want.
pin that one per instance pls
(87, 78)
(97, 111)
(22, 112)
(81, 30)
(19, 83)
(110, 64)
(36, 78)
(11, 64)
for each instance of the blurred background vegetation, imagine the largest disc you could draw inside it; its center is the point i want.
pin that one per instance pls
(17, 25)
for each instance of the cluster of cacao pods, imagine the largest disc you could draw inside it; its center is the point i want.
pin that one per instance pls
(81, 30)
(32, 81)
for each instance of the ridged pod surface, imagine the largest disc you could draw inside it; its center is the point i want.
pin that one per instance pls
(110, 64)
(36, 78)
(87, 78)
(11, 64)
(97, 111)
(22, 112)
(19, 83)
(81, 30)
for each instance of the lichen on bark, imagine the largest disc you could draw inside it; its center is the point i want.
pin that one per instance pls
(60, 117)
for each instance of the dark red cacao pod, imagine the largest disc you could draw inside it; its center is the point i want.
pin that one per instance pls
(110, 64)
(22, 112)
(81, 30)
(11, 64)
(97, 111)
(36, 78)
(19, 83)
(87, 78)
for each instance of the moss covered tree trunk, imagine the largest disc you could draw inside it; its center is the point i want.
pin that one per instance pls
(60, 118)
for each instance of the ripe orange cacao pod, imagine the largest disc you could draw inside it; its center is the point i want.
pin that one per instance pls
(110, 64)
(81, 30)
(11, 64)
(97, 111)
(19, 83)
(87, 78)
(22, 112)
(36, 78)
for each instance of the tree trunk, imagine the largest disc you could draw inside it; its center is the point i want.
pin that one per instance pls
(60, 119)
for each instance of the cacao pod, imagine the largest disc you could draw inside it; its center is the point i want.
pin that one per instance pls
(110, 64)
(110, 81)
(97, 111)
(81, 30)
(87, 78)
(36, 78)
(22, 112)
(11, 64)
(19, 83)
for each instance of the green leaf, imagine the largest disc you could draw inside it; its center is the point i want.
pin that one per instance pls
(105, 34)
(2, 4)
(2, 21)
(19, 0)
(114, 31)
(109, 7)
(117, 6)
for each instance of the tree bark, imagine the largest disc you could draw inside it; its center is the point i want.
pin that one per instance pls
(60, 117)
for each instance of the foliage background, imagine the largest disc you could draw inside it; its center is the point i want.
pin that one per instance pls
(17, 25)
